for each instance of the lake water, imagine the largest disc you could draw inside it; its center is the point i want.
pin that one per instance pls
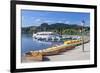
(28, 44)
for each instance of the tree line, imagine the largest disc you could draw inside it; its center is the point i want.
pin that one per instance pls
(60, 28)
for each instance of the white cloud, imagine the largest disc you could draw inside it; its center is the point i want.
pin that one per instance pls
(60, 21)
(23, 17)
(37, 20)
(48, 21)
(67, 22)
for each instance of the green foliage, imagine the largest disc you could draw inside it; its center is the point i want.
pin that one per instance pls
(61, 28)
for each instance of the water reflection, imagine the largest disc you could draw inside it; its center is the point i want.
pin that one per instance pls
(28, 44)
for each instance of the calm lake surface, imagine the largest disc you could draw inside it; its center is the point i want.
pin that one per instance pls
(28, 44)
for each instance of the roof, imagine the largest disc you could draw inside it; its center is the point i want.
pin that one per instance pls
(45, 32)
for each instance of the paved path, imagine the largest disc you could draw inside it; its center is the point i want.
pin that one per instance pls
(74, 54)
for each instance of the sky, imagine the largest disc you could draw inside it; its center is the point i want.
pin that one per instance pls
(36, 17)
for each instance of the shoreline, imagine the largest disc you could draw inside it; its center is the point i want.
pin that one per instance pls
(74, 54)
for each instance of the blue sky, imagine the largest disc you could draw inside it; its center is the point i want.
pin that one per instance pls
(35, 17)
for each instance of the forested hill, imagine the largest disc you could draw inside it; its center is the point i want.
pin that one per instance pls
(60, 28)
